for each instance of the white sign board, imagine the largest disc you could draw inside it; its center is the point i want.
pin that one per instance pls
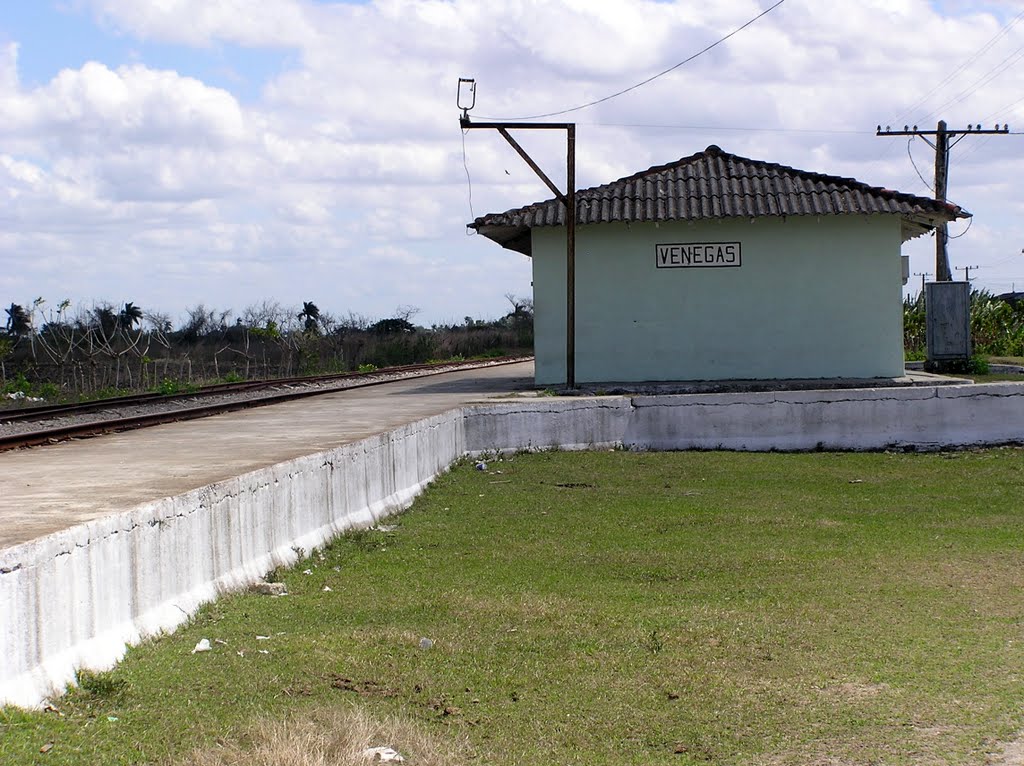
(691, 255)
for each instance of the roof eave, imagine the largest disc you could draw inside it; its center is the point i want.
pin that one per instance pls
(515, 238)
(914, 226)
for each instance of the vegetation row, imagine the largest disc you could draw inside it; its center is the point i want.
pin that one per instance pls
(86, 351)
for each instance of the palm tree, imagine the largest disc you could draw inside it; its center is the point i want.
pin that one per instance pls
(130, 316)
(311, 314)
(104, 321)
(18, 321)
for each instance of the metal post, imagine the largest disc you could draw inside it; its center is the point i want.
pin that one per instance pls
(570, 257)
(568, 199)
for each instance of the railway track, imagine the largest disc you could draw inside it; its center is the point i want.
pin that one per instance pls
(48, 424)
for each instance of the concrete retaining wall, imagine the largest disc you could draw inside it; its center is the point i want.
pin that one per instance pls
(852, 419)
(566, 423)
(76, 598)
(857, 419)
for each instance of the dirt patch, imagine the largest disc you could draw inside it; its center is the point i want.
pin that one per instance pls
(331, 737)
(926, 730)
(819, 760)
(363, 688)
(1012, 754)
(856, 691)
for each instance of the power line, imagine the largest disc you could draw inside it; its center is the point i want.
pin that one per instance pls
(917, 179)
(649, 79)
(1004, 30)
(977, 145)
(797, 131)
(740, 129)
(981, 82)
(805, 131)
(967, 271)
(945, 139)
(647, 126)
(1014, 257)
(1002, 109)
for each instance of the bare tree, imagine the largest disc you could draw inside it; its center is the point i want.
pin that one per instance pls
(264, 314)
(520, 305)
(159, 328)
(406, 312)
(200, 322)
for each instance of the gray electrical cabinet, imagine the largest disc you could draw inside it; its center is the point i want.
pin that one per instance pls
(947, 322)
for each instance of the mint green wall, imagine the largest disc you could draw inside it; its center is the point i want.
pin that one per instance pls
(814, 298)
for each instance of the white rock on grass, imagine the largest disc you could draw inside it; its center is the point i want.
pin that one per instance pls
(270, 588)
(383, 754)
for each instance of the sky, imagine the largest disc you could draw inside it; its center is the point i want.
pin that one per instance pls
(228, 152)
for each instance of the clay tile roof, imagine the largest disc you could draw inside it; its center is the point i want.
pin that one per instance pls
(713, 184)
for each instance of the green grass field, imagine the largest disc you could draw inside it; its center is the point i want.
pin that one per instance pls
(615, 608)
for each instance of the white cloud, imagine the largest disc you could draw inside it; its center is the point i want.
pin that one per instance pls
(8, 67)
(200, 22)
(345, 175)
(95, 106)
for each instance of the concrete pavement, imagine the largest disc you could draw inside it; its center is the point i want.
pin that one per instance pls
(46, 489)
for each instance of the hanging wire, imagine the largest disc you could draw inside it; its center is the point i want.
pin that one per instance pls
(909, 154)
(644, 82)
(469, 184)
(970, 222)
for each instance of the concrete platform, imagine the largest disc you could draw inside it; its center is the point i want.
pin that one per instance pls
(46, 489)
(121, 537)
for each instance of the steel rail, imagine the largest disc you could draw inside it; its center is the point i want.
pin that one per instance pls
(47, 411)
(117, 425)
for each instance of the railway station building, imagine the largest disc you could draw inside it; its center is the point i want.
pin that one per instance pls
(720, 267)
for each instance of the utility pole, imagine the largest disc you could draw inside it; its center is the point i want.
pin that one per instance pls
(942, 145)
(922, 274)
(466, 101)
(967, 271)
